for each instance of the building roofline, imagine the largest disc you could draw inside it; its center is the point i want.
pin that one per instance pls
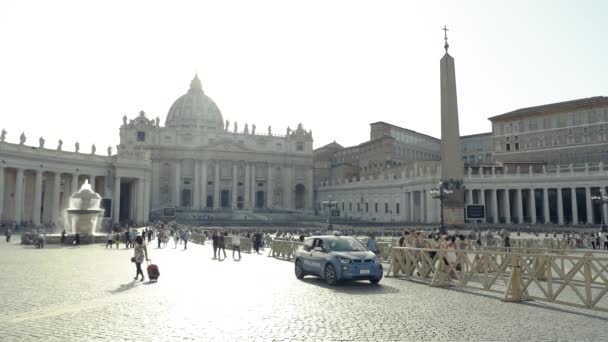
(553, 107)
(406, 129)
(476, 135)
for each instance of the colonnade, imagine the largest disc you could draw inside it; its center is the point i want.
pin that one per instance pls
(548, 204)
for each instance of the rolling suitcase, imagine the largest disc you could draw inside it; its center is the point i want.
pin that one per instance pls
(153, 272)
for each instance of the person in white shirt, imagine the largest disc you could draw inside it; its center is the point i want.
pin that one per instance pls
(236, 244)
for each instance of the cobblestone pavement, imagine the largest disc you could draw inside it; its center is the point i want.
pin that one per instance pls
(88, 293)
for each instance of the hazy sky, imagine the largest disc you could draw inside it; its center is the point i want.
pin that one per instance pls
(71, 70)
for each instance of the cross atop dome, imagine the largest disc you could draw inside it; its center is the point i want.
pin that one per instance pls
(445, 37)
(196, 84)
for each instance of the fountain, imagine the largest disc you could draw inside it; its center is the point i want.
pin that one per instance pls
(84, 211)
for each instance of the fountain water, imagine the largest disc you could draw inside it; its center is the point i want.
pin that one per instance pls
(84, 211)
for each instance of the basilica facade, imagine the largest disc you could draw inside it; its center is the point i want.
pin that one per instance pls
(195, 164)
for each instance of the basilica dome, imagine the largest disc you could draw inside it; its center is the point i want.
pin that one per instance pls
(194, 109)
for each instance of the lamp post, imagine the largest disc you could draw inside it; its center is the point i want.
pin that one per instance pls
(329, 204)
(601, 200)
(443, 191)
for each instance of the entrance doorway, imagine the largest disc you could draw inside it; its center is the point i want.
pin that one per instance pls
(125, 202)
(259, 199)
(225, 199)
(300, 196)
(186, 198)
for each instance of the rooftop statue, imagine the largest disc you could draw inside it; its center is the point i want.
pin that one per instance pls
(77, 147)
(93, 149)
(288, 130)
(253, 129)
(110, 151)
(227, 124)
(3, 135)
(269, 130)
(41, 142)
(157, 121)
(124, 120)
(235, 127)
(22, 139)
(246, 130)
(59, 145)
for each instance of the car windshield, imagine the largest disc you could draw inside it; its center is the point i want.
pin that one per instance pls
(344, 244)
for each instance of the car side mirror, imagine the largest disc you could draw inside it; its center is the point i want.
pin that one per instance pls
(318, 249)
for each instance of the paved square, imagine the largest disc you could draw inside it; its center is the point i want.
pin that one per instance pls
(88, 293)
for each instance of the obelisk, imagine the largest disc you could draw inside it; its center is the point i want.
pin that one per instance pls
(452, 167)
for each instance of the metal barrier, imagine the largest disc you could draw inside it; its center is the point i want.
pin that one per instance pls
(246, 245)
(572, 280)
(283, 249)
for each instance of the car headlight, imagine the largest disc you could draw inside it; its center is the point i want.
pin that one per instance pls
(344, 260)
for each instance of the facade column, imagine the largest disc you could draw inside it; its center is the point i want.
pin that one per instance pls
(204, 184)
(560, 207)
(235, 183)
(196, 196)
(495, 204)
(519, 205)
(116, 201)
(177, 183)
(482, 200)
(532, 200)
(37, 198)
(247, 191)
(574, 202)
(412, 215)
(310, 191)
(56, 198)
(507, 206)
(147, 188)
(469, 196)
(422, 206)
(430, 216)
(270, 187)
(589, 205)
(216, 186)
(1, 191)
(155, 184)
(546, 212)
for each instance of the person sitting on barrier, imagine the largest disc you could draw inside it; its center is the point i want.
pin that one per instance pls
(451, 257)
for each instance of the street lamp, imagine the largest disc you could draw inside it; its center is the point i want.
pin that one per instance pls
(444, 190)
(601, 200)
(329, 204)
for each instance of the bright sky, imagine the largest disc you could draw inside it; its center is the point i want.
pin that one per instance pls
(71, 70)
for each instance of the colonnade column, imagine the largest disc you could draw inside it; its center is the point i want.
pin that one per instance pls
(574, 206)
(116, 201)
(422, 206)
(532, 200)
(507, 206)
(216, 186)
(247, 194)
(177, 185)
(254, 185)
(92, 182)
(469, 196)
(430, 217)
(234, 185)
(37, 198)
(495, 204)
(1, 191)
(18, 195)
(140, 199)
(147, 187)
(546, 213)
(74, 184)
(204, 184)
(56, 197)
(196, 196)
(270, 187)
(604, 207)
(482, 200)
(589, 205)
(412, 216)
(309, 191)
(560, 207)
(519, 206)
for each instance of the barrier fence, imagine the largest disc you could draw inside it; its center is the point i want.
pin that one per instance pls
(562, 278)
(283, 249)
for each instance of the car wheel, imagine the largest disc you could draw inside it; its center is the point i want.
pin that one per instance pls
(375, 280)
(299, 270)
(330, 275)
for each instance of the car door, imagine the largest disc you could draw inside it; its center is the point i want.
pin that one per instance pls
(317, 257)
(306, 255)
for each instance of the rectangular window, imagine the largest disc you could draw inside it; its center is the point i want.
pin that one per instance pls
(397, 208)
(366, 207)
(386, 208)
(300, 147)
(376, 207)
(350, 206)
(508, 147)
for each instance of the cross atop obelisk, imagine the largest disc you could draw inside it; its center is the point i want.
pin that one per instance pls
(445, 37)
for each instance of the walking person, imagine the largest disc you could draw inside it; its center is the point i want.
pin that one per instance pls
(127, 238)
(159, 237)
(236, 244)
(110, 240)
(215, 240)
(117, 239)
(139, 252)
(149, 236)
(63, 236)
(221, 245)
(185, 237)
(77, 239)
(8, 234)
(372, 245)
